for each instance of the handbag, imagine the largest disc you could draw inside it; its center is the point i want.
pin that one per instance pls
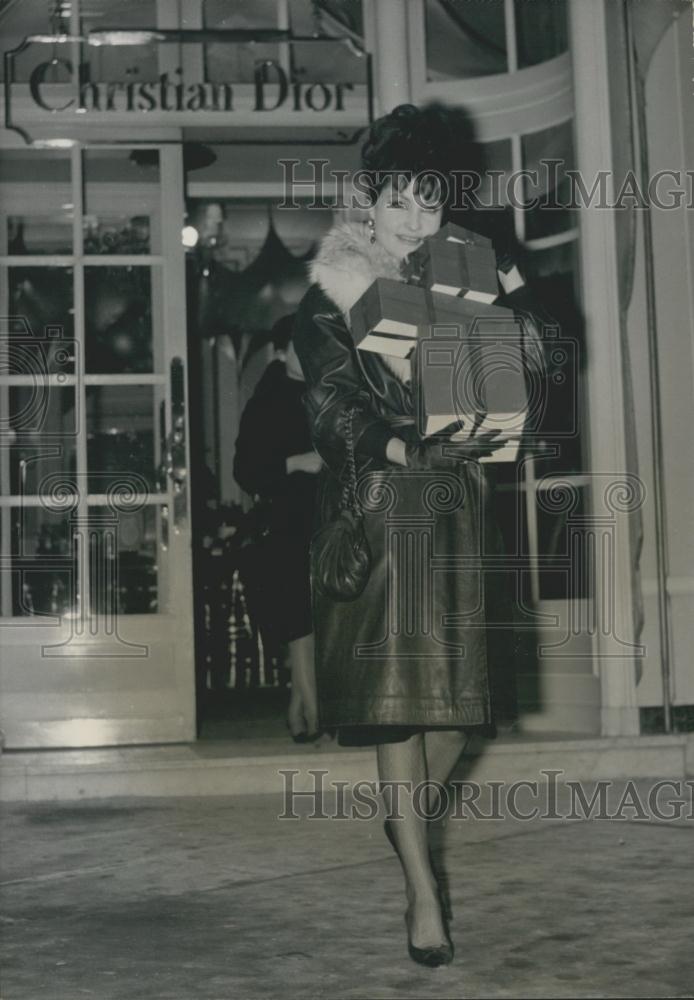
(340, 553)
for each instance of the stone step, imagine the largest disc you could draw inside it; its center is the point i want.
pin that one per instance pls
(256, 766)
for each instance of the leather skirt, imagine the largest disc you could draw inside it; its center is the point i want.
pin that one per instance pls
(410, 652)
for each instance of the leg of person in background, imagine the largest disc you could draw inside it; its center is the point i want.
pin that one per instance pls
(303, 702)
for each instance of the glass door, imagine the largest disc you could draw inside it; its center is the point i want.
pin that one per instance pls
(95, 580)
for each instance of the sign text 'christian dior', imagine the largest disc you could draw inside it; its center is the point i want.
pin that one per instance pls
(272, 90)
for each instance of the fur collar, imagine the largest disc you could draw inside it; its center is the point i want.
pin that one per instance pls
(346, 264)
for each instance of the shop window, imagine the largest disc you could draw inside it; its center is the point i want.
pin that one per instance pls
(42, 561)
(308, 62)
(497, 162)
(566, 558)
(16, 22)
(465, 40)
(41, 421)
(236, 63)
(123, 553)
(121, 201)
(118, 320)
(120, 63)
(42, 296)
(552, 276)
(120, 434)
(37, 216)
(541, 30)
(549, 152)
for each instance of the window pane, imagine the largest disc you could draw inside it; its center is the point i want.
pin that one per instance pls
(118, 319)
(236, 63)
(541, 30)
(42, 297)
(331, 62)
(334, 16)
(42, 561)
(121, 201)
(120, 435)
(120, 63)
(550, 152)
(22, 19)
(35, 202)
(509, 507)
(496, 157)
(552, 276)
(39, 425)
(465, 40)
(123, 561)
(565, 564)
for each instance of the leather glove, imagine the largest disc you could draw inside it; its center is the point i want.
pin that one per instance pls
(440, 452)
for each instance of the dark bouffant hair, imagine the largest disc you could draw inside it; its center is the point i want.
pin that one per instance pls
(412, 142)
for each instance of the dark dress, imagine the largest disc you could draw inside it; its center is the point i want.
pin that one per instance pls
(273, 427)
(410, 652)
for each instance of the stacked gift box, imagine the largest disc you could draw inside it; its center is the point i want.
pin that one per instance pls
(466, 352)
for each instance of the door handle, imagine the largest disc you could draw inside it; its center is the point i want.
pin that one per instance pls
(161, 478)
(175, 454)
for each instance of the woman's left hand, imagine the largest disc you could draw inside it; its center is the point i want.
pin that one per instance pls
(441, 453)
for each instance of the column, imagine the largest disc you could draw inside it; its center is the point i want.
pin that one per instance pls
(605, 402)
(391, 54)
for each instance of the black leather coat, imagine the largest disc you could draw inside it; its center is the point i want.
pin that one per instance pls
(411, 650)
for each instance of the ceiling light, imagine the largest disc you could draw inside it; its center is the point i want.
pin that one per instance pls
(189, 236)
(125, 37)
(54, 143)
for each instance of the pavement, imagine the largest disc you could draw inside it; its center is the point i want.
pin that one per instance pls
(218, 899)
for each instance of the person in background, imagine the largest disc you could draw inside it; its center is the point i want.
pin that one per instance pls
(275, 463)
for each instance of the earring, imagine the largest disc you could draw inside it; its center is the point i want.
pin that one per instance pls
(372, 231)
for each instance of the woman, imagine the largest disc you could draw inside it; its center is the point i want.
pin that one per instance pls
(404, 665)
(274, 460)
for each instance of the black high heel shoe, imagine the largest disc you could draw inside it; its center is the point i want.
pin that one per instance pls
(433, 957)
(444, 895)
(303, 737)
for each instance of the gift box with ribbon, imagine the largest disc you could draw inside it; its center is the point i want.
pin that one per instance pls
(390, 316)
(469, 364)
(456, 261)
(475, 379)
(387, 317)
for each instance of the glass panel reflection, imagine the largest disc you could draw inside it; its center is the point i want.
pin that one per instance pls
(506, 584)
(237, 63)
(541, 30)
(118, 304)
(42, 297)
(550, 152)
(120, 435)
(120, 63)
(509, 506)
(566, 566)
(464, 41)
(123, 561)
(36, 201)
(121, 201)
(22, 19)
(41, 438)
(42, 562)
(557, 426)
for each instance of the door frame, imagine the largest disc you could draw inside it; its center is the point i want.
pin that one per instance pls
(92, 679)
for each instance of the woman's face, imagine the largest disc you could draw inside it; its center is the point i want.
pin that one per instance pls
(402, 220)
